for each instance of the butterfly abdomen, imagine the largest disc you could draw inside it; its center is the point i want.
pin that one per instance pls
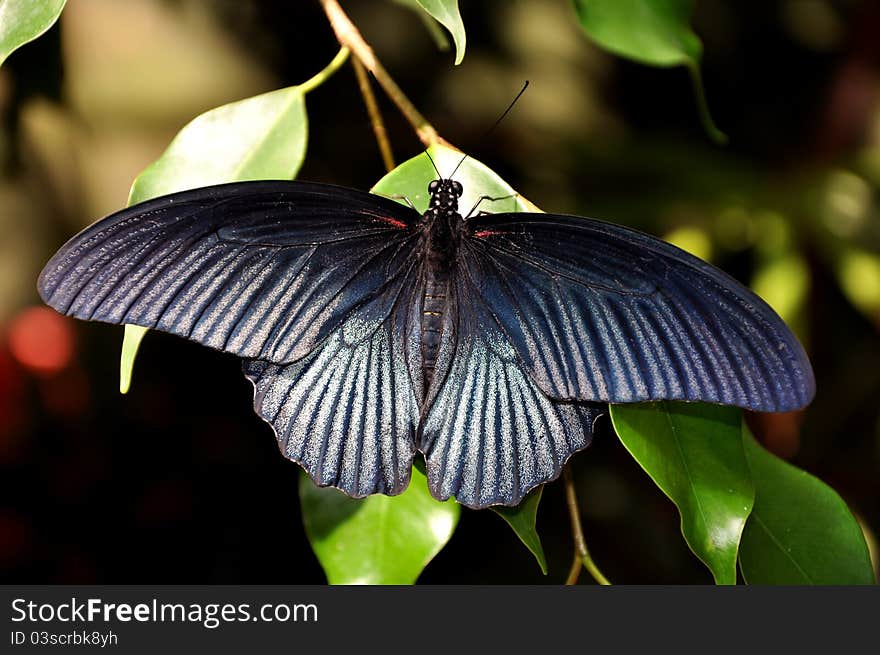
(433, 309)
(441, 225)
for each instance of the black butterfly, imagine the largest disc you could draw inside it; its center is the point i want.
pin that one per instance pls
(488, 343)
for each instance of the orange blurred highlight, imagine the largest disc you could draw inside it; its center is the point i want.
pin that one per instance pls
(41, 340)
(780, 433)
(13, 415)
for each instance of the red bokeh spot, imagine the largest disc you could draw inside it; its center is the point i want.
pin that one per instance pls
(41, 340)
(16, 539)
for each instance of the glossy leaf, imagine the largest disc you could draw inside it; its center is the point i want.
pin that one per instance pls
(22, 21)
(409, 181)
(447, 14)
(694, 453)
(522, 520)
(263, 137)
(378, 539)
(652, 32)
(800, 530)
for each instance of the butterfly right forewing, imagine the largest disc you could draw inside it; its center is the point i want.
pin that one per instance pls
(598, 312)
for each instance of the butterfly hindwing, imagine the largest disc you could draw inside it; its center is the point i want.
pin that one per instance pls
(491, 435)
(599, 312)
(259, 269)
(348, 411)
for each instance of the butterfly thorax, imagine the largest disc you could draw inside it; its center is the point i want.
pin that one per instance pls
(442, 227)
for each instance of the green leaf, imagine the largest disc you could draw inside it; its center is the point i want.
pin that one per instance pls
(652, 32)
(694, 453)
(378, 539)
(434, 29)
(411, 178)
(22, 21)
(522, 520)
(446, 13)
(134, 334)
(258, 138)
(800, 530)
(263, 137)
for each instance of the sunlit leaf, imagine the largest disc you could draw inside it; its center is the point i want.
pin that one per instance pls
(446, 13)
(522, 520)
(800, 530)
(263, 137)
(378, 539)
(694, 453)
(409, 181)
(131, 341)
(22, 21)
(653, 32)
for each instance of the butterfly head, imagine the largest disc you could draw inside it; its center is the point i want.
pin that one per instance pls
(445, 194)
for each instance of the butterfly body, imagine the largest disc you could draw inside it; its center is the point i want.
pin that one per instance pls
(489, 343)
(442, 228)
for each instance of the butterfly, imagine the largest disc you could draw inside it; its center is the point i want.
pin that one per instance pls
(491, 343)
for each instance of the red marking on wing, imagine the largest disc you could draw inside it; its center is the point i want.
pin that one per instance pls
(393, 222)
(482, 234)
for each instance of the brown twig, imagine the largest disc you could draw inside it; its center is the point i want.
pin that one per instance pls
(375, 115)
(575, 571)
(581, 553)
(348, 35)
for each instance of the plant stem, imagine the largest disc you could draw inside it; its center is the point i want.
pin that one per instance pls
(375, 115)
(348, 35)
(575, 571)
(582, 554)
(712, 130)
(318, 79)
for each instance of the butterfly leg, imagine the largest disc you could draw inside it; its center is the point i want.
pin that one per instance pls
(400, 197)
(481, 199)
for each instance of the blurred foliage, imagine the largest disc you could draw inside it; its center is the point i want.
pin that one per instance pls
(653, 32)
(95, 487)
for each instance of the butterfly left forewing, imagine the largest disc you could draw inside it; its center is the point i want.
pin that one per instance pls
(259, 269)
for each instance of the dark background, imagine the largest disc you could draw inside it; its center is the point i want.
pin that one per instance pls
(179, 482)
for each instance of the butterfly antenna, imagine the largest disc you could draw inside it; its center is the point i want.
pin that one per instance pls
(495, 124)
(439, 177)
